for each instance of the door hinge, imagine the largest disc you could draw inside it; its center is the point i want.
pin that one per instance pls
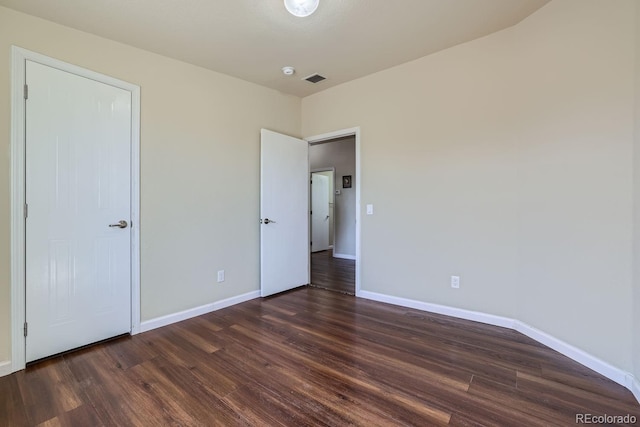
(25, 329)
(26, 92)
(26, 211)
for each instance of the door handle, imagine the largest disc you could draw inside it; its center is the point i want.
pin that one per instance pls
(268, 221)
(121, 224)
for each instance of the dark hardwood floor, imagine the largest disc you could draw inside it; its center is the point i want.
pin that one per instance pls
(316, 358)
(334, 274)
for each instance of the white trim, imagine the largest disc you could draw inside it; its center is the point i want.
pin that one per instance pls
(17, 206)
(135, 209)
(159, 322)
(5, 368)
(460, 313)
(344, 256)
(18, 76)
(617, 375)
(635, 387)
(338, 134)
(573, 353)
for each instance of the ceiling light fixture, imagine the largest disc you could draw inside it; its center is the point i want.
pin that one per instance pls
(301, 8)
(288, 71)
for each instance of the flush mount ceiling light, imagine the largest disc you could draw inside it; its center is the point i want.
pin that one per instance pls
(288, 71)
(301, 8)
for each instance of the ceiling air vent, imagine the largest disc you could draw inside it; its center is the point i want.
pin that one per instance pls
(314, 78)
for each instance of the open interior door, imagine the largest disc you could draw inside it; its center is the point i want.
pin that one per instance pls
(319, 212)
(284, 212)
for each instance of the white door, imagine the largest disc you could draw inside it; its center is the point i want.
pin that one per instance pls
(78, 172)
(284, 212)
(319, 212)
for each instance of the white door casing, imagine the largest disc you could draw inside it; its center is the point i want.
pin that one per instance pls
(78, 156)
(319, 212)
(284, 212)
(74, 257)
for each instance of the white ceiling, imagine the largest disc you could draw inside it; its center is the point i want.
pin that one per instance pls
(254, 39)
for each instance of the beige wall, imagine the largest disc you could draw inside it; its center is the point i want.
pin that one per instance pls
(636, 234)
(575, 175)
(199, 165)
(507, 161)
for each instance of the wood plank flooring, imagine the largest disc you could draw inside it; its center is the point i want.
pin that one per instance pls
(335, 274)
(311, 357)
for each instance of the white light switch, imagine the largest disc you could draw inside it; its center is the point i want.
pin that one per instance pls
(369, 209)
(220, 276)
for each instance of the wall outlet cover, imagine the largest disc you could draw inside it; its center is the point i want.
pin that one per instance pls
(455, 282)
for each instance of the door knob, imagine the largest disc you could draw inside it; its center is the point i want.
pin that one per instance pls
(121, 224)
(268, 221)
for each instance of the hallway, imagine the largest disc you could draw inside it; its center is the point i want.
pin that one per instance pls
(335, 274)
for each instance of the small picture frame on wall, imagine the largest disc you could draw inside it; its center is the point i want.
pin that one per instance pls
(346, 181)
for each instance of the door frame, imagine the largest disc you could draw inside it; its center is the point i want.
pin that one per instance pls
(354, 131)
(18, 225)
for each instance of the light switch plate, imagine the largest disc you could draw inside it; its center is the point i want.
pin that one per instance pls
(369, 209)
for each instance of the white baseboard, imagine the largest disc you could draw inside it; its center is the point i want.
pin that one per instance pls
(5, 368)
(460, 313)
(196, 311)
(621, 377)
(578, 355)
(635, 387)
(344, 256)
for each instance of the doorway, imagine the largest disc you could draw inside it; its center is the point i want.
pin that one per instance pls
(284, 163)
(322, 210)
(75, 197)
(333, 261)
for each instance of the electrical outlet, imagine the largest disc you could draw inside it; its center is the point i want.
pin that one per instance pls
(455, 282)
(220, 276)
